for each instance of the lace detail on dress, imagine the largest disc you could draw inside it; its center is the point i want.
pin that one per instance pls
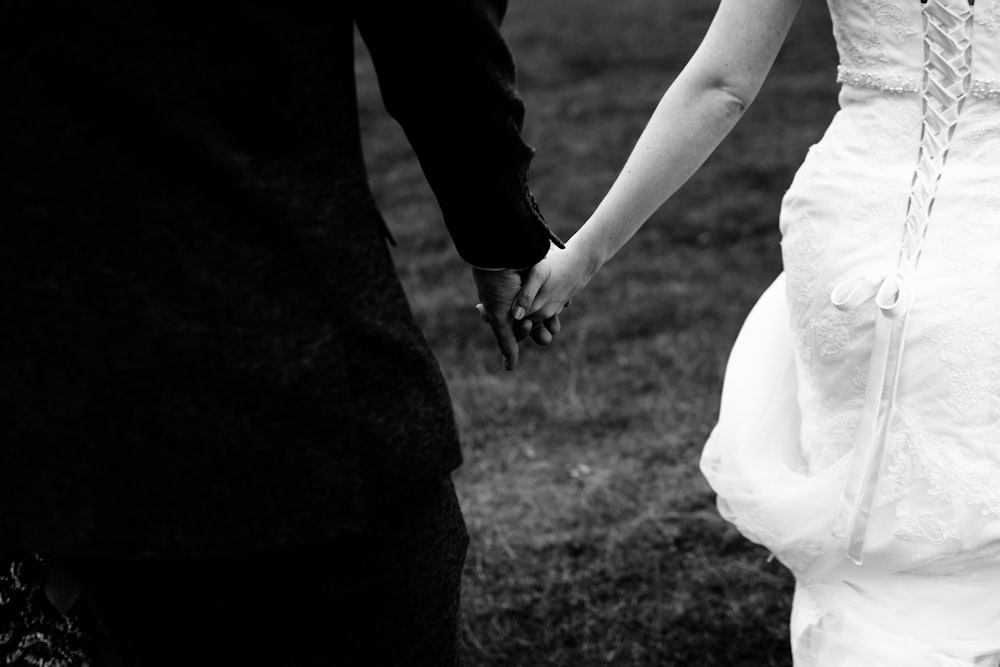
(830, 436)
(798, 247)
(32, 631)
(864, 50)
(952, 473)
(988, 16)
(923, 526)
(800, 556)
(897, 83)
(979, 140)
(891, 15)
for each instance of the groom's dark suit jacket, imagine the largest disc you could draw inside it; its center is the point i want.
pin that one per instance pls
(205, 348)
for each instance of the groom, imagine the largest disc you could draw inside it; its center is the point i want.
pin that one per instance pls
(221, 421)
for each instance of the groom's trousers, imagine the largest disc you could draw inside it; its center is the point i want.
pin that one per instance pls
(387, 597)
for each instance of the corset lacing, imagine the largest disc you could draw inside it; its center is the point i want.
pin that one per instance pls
(945, 87)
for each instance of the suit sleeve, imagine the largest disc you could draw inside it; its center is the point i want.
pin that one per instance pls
(448, 78)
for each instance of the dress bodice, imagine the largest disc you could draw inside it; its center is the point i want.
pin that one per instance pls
(881, 47)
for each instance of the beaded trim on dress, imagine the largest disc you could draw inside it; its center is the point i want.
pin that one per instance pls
(981, 90)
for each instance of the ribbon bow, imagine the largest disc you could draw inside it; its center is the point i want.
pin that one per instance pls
(893, 295)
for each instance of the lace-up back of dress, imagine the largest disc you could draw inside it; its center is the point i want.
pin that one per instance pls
(844, 217)
(880, 47)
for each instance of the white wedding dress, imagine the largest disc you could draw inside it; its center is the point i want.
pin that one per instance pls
(899, 563)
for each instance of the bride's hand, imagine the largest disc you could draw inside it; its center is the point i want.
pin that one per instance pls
(551, 284)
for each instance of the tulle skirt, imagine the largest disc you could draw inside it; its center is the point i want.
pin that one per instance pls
(928, 591)
(875, 614)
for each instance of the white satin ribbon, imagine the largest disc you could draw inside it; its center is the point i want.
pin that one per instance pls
(893, 295)
(947, 77)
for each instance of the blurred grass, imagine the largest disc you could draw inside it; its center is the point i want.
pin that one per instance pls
(595, 540)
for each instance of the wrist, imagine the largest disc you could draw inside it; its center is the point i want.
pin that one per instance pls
(591, 256)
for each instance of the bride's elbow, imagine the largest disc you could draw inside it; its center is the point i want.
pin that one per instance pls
(714, 96)
(733, 99)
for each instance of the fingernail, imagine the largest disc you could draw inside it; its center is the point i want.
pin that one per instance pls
(506, 363)
(518, 312)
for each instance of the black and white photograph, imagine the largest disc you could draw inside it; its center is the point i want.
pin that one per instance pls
(500, 333)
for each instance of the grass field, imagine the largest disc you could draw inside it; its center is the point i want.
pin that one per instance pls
(595, 540)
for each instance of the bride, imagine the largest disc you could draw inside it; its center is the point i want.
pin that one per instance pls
(859, 430)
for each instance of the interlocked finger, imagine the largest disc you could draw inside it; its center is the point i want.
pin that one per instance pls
(540, 334)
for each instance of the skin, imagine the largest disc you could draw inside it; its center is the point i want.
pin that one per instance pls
(497, 290)
(694, 115)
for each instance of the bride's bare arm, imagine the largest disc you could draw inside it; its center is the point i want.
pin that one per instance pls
(698, 110)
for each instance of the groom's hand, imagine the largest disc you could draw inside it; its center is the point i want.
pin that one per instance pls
(497, 290)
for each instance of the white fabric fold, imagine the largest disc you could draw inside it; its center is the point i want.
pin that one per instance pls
(893, 294)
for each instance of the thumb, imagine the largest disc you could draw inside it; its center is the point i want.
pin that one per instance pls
(529, 290)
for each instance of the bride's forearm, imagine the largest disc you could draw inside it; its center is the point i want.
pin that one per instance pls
(694, 116)
(687, 125)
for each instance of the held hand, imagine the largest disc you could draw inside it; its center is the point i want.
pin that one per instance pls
(542, 332)
(497, 290)
(551, 285)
